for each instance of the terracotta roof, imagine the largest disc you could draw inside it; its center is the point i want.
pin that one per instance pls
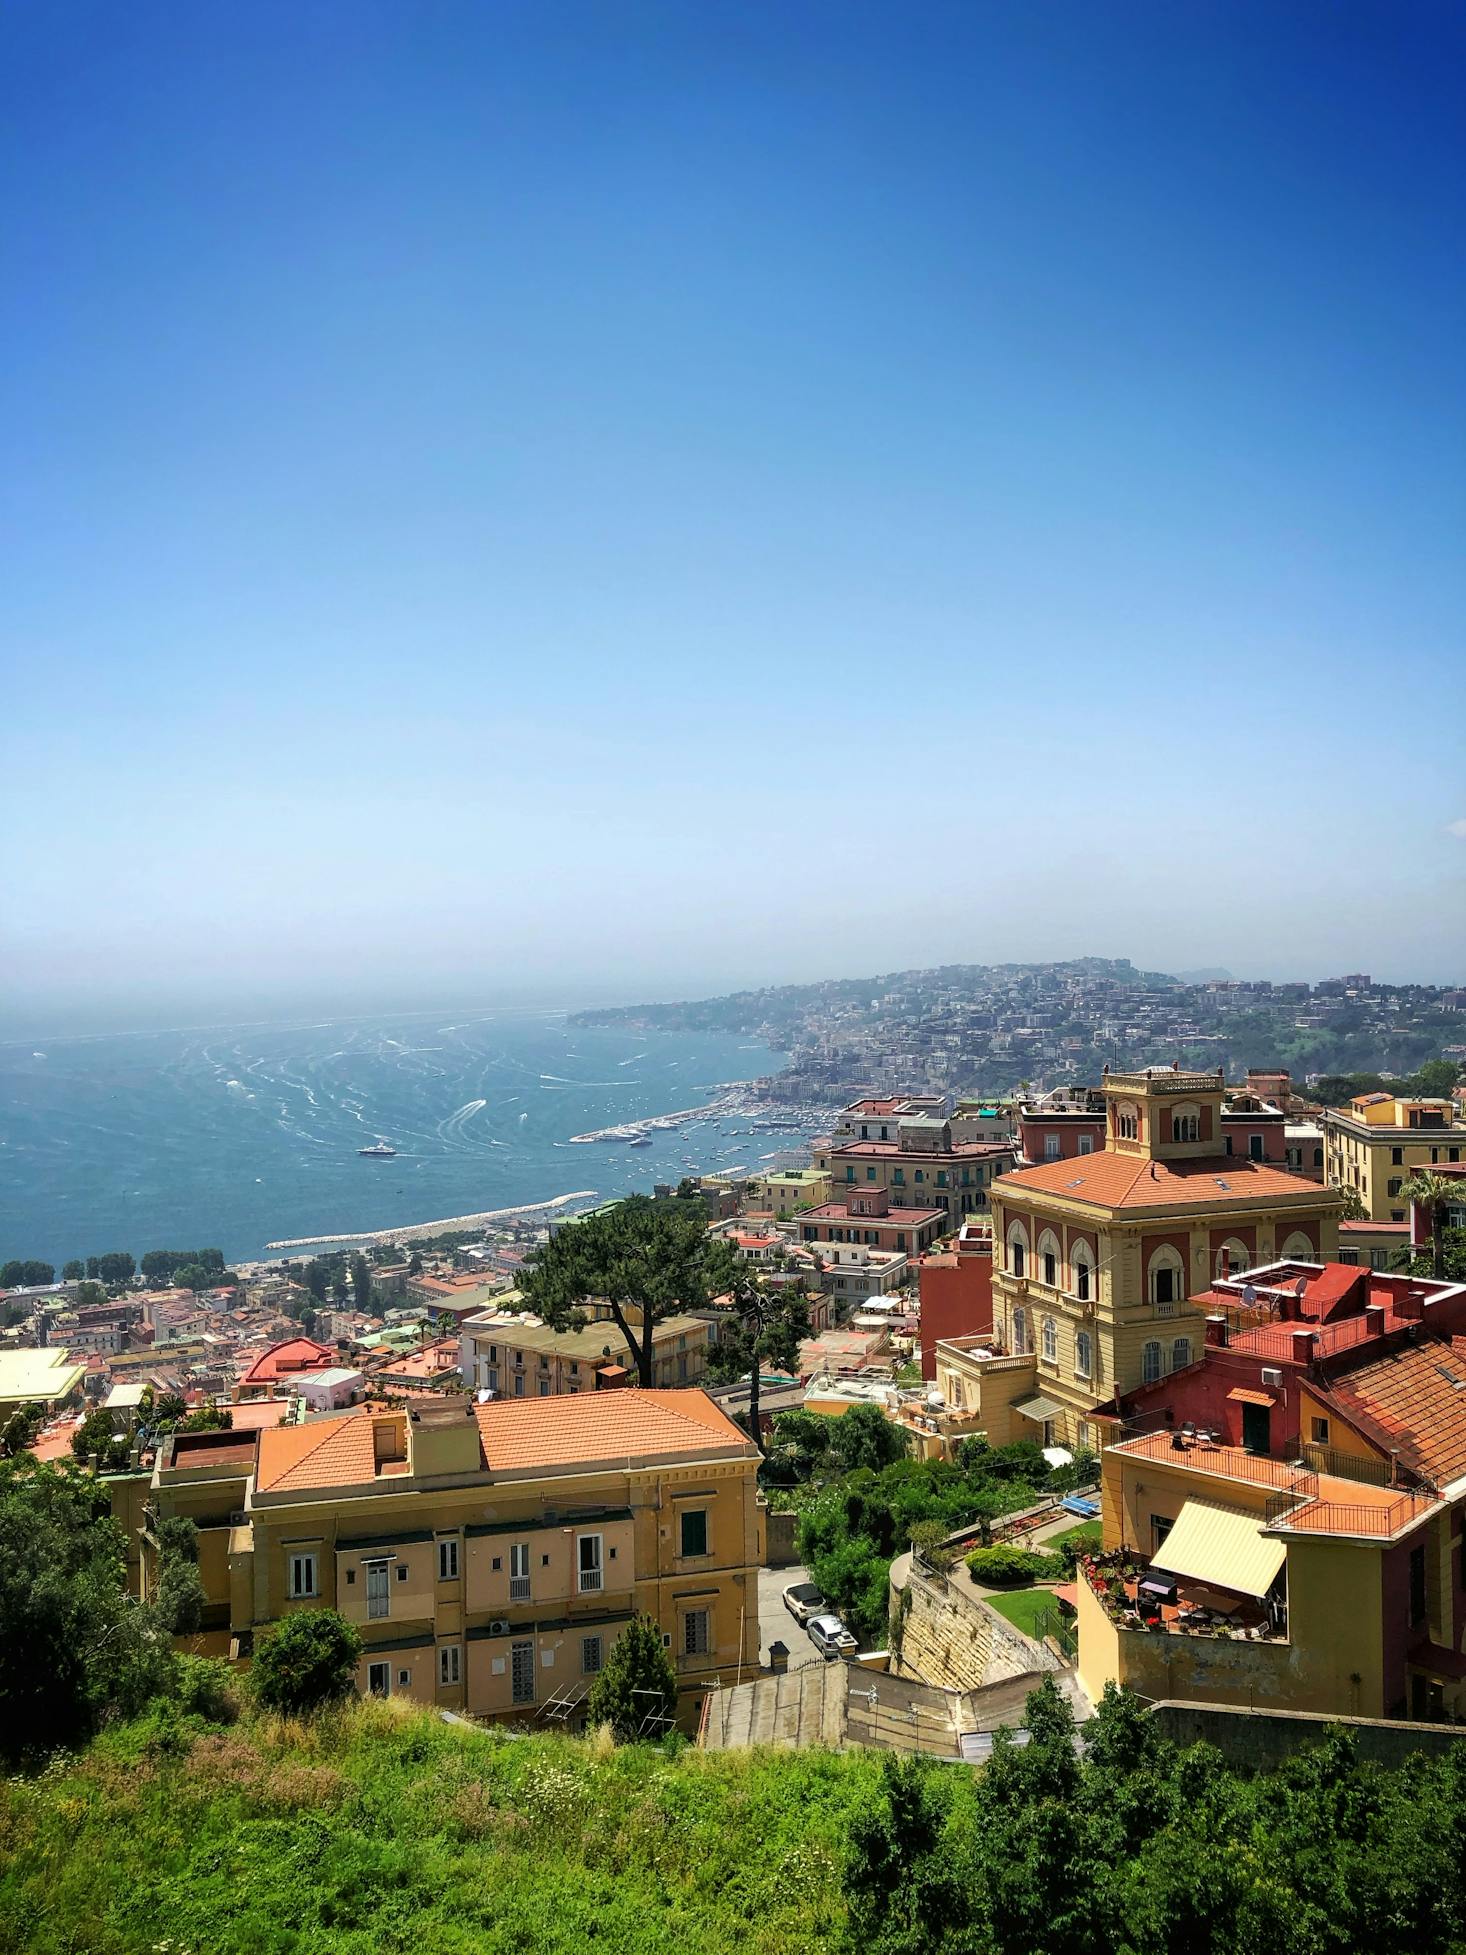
(561, 1430)
(294, 1354)
(906, 1218)
(326, 1453)
(1414, 1400)
(1132, 1181)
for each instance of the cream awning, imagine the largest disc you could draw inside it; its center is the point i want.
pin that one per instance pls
(1038, 1407)
(1222, 1546)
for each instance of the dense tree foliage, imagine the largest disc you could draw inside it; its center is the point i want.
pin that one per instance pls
(769, 1322)
(636, 1692)
(361, 1283)
(306, 1663)
(180, 1599)
(645, 1259)
(116, 1266)
(74, 1647)
(1432, 1081)
(163, 1265)
(1132, 1845)
(24, 1275)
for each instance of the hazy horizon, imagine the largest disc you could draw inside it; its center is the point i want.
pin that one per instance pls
(627, 504)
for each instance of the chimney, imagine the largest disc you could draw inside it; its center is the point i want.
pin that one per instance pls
(1303, 1346)
(1216, 1331)
(1226, 1262)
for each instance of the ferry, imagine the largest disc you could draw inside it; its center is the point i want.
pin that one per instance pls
(381, 1152)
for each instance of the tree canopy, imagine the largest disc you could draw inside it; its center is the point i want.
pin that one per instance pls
(636, 1692)
(645, 1259)
(26, 1275)
(307, 1663)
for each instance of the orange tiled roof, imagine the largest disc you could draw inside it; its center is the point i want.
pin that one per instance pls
(574, 1426)
(295, 1354)
(1109, 1180)
(1411, 1401)
(327, 1453)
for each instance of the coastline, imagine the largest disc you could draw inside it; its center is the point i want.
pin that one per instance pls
(410, 1231)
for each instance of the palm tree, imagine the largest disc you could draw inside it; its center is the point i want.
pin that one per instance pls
(1431, 1191)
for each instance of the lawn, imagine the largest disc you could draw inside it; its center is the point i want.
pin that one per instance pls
(1086, 1534)
(1023, 1607)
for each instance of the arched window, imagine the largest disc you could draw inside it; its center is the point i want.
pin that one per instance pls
(1167, 1276)
(1051, 1341)
(1297, 1248)
(1185, 1123)
(1180, 1353)
(1048, 1258)
(1239, 1256)
(1017, 1248)
(1020, 1333)
(1150, 1362)
(1083, 1274)
(1083, 1348)
(1127, 1123)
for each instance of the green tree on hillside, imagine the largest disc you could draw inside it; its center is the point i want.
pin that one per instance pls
(769, 1325)
(637, 1689)
(646, 1259)
(361, 1283)
(318, 1279)
(180, 1601)
(1434, 1193)
(306, 1664)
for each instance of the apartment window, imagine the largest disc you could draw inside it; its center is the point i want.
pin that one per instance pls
(379, 1599)
(1180, 1353)
(544, 1388)
(1050, 1268)
(695, 1633)
(1051, 1341)
(1020, 1333)
(1015, 1250)
(898, 1175)
(1254, 1147)
(1397, 1157)
(694, 1531)
(1319, 1432)
(1082, 1350)
(449, 1663)
(404, 1679)
(519, 1384)
(519, 1571)
(592, 1655)
(1081, 1280)
(521, 1672)
(1163, 1284)
(447, 1561)
(491, 1378)
(1160, 1527)
(1453, 1153)
(402, 1571)
(1150, 1362)
(1052, 1147)
(379, 1679)
(1086, 1143)
(1396, 1183)
(870, 1174)
(588, 1551)
(303, 1577)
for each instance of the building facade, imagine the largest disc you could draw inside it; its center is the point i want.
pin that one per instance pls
(1378, 1142)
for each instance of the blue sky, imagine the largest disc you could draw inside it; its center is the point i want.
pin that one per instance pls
(611, 499)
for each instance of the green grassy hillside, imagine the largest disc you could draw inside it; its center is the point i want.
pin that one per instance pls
(375, 1829)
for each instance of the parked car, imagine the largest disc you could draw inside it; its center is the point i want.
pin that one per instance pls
(803, 1600)
(830, 1637)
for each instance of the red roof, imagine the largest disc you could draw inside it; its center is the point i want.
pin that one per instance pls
(283, 1360)
(903, 1218)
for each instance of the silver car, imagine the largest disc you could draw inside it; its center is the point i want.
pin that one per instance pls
(830, 1637)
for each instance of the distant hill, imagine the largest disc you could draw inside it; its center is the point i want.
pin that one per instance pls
(1217, 976)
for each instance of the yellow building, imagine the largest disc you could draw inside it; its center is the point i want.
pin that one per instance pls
(1097, 1256)
(507, 1352)
(492, 1553)
(1379, 1142)
(1231, 1578)
(785, 1192)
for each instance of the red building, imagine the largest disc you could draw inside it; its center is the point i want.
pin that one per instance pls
(867, 1217)
(956, 1293)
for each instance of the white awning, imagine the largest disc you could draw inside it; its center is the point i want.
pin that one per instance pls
(1221, 1546)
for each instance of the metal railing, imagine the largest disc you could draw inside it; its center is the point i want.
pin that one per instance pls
(1368, 1518)
(519, 1588)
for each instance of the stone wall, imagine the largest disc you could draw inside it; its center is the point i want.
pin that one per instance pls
(781, 1551)
(1262, 1740)
(955, 1640)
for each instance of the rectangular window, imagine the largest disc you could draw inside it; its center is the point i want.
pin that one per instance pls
(1320, 1432)
(1086, 1143)
(447, 1561)
(379, 1601)
(1052, 1146)
(592, 1655)
(1397, 1157)
(694, 1531)
(544, 1388)
(448, 1664)
(695, 1633)
(588, 1550)
(519, 1571)
(1049, 1268)
(521, 1672)
(1254, 1146)
(302, 1576)
(379, 1679)
(519, 1384)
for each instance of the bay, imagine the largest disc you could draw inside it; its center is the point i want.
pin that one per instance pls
(236, 1137)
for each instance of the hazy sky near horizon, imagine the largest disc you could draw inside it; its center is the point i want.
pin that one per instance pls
(614, 500)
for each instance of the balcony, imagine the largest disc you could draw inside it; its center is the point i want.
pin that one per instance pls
(591, 1581)
(519, 1588)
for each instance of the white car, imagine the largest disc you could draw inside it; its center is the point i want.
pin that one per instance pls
(803, 1601)
(830, 1637)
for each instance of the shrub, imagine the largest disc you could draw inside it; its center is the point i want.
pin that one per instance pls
(204, 1687)
(1005, 1566)
(307, 1663)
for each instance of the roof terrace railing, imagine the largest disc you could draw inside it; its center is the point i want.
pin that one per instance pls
(1366, 1518)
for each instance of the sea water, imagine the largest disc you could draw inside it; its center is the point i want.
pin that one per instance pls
(238, 1137)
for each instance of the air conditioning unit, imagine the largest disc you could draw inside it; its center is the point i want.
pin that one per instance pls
(1272, 1377)
(499, 1626)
